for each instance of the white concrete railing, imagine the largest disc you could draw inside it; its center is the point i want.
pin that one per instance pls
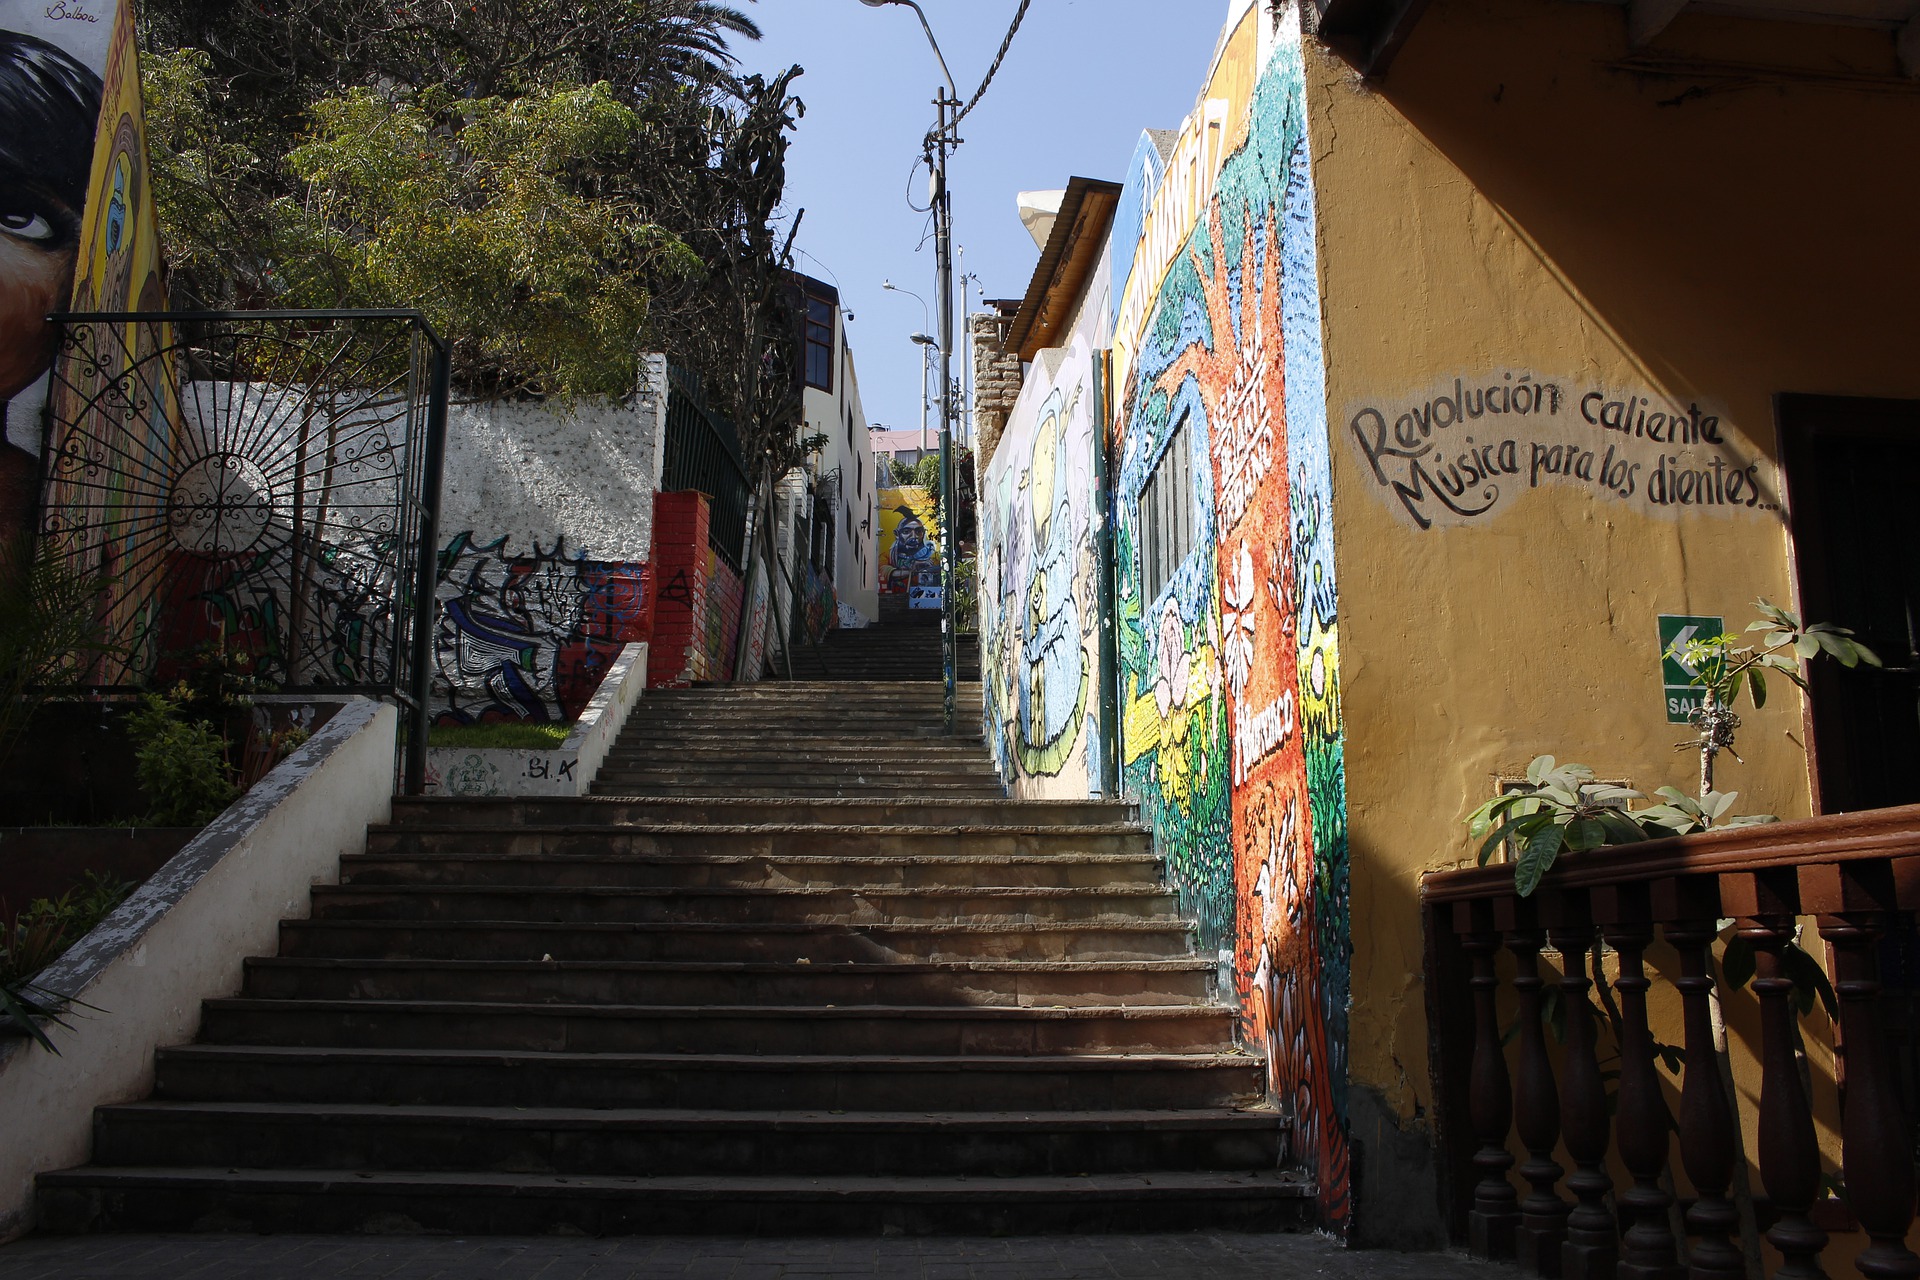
(181, 939)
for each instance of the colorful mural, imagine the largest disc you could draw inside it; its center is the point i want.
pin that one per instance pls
(131, 443)
(1229, 674)
(51, 85)
(529, 636)
(1037, 581)
(910, 545)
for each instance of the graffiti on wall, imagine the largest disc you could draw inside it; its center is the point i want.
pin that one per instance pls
(1037, 564)
(1232, 735)
(720, 632)
(1461, 452)
(909, 544)
(528, 636)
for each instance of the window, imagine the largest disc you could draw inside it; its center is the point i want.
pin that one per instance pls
(1166, 515)
(820, 343)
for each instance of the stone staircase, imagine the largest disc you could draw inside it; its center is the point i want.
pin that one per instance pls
(797, 967)
(905, 649)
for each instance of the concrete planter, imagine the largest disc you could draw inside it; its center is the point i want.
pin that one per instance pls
(45, 862)
(181, 939)
(566, 770)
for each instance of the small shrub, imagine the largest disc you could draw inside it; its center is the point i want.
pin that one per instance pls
(181, 763)
(36, 937)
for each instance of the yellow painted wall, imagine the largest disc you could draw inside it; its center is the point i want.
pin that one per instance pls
(1506, 202)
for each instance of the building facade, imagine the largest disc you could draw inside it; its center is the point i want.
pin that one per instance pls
(1431, 362)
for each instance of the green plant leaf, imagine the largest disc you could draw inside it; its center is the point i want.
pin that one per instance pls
(1757, 686)
(1584, 834)
(1519, 828)
(23, 1008)
(1808, 647)
(1621, 829)
(1537, 857)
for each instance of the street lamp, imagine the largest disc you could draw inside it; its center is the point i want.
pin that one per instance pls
(927, 347)
(940, 141)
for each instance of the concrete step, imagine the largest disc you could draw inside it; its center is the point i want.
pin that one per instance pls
(717, 1029)
(463, 864)
(722, 757)
(976, 983)
(908, 775)
(751, 1082)
(347, 1200)
(849, 905)
(826, 789)
(625, 1142)
(790, 943)
(733, 811)
(767, 841)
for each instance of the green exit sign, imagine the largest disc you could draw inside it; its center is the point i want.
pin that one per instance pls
(1676, 629)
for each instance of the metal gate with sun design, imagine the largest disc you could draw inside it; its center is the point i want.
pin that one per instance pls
(267, 482)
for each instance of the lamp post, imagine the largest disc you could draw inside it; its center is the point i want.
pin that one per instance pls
(927, 346)
(940, 143)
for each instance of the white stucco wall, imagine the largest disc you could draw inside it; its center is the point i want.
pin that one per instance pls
(536, 471)
(181, 938)
(826, 414)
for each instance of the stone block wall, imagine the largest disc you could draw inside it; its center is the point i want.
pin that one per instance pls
(996, 381)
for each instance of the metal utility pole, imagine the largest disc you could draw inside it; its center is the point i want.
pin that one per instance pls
(940, 143)
(943, 143)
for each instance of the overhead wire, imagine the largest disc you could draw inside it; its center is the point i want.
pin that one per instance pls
(1018, 15)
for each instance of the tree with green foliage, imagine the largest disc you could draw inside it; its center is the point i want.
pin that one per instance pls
(559, 186)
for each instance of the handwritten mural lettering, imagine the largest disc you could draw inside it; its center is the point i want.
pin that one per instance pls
(1462, 453)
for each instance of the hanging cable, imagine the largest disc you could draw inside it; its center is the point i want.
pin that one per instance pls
(998, 58)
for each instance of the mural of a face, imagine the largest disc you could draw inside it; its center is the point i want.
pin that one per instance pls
(49, 105)
(908, 540)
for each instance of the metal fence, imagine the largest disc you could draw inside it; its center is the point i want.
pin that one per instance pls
(702, 453)
(267, 482)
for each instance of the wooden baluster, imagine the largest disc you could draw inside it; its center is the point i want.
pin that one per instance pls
(1857, 902)
(1789, 1153)
(1591, 1247)
(1495, 1213)
(1642, 1123)
(1543, 1214)
(1706, 1115)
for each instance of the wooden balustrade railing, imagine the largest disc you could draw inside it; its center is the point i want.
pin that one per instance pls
(1857, 875)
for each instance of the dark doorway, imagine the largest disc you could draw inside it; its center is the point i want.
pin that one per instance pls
(1850, 470)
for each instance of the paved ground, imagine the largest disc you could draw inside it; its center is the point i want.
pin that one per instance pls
(1213, 1257)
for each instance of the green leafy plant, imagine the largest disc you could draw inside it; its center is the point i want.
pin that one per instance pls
(50, 629)
(1724, 667)
(40, 935)
(181, 762)
(1561, 807)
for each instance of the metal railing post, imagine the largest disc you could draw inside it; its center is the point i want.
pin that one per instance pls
(427, 569)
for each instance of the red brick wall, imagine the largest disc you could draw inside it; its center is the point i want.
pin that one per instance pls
(680, 560)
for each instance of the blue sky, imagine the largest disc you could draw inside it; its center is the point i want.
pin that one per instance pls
(1081, 81)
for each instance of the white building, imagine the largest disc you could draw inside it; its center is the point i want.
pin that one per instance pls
(841, 522)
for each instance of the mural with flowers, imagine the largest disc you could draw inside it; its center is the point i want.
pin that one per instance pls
(1231, 736)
